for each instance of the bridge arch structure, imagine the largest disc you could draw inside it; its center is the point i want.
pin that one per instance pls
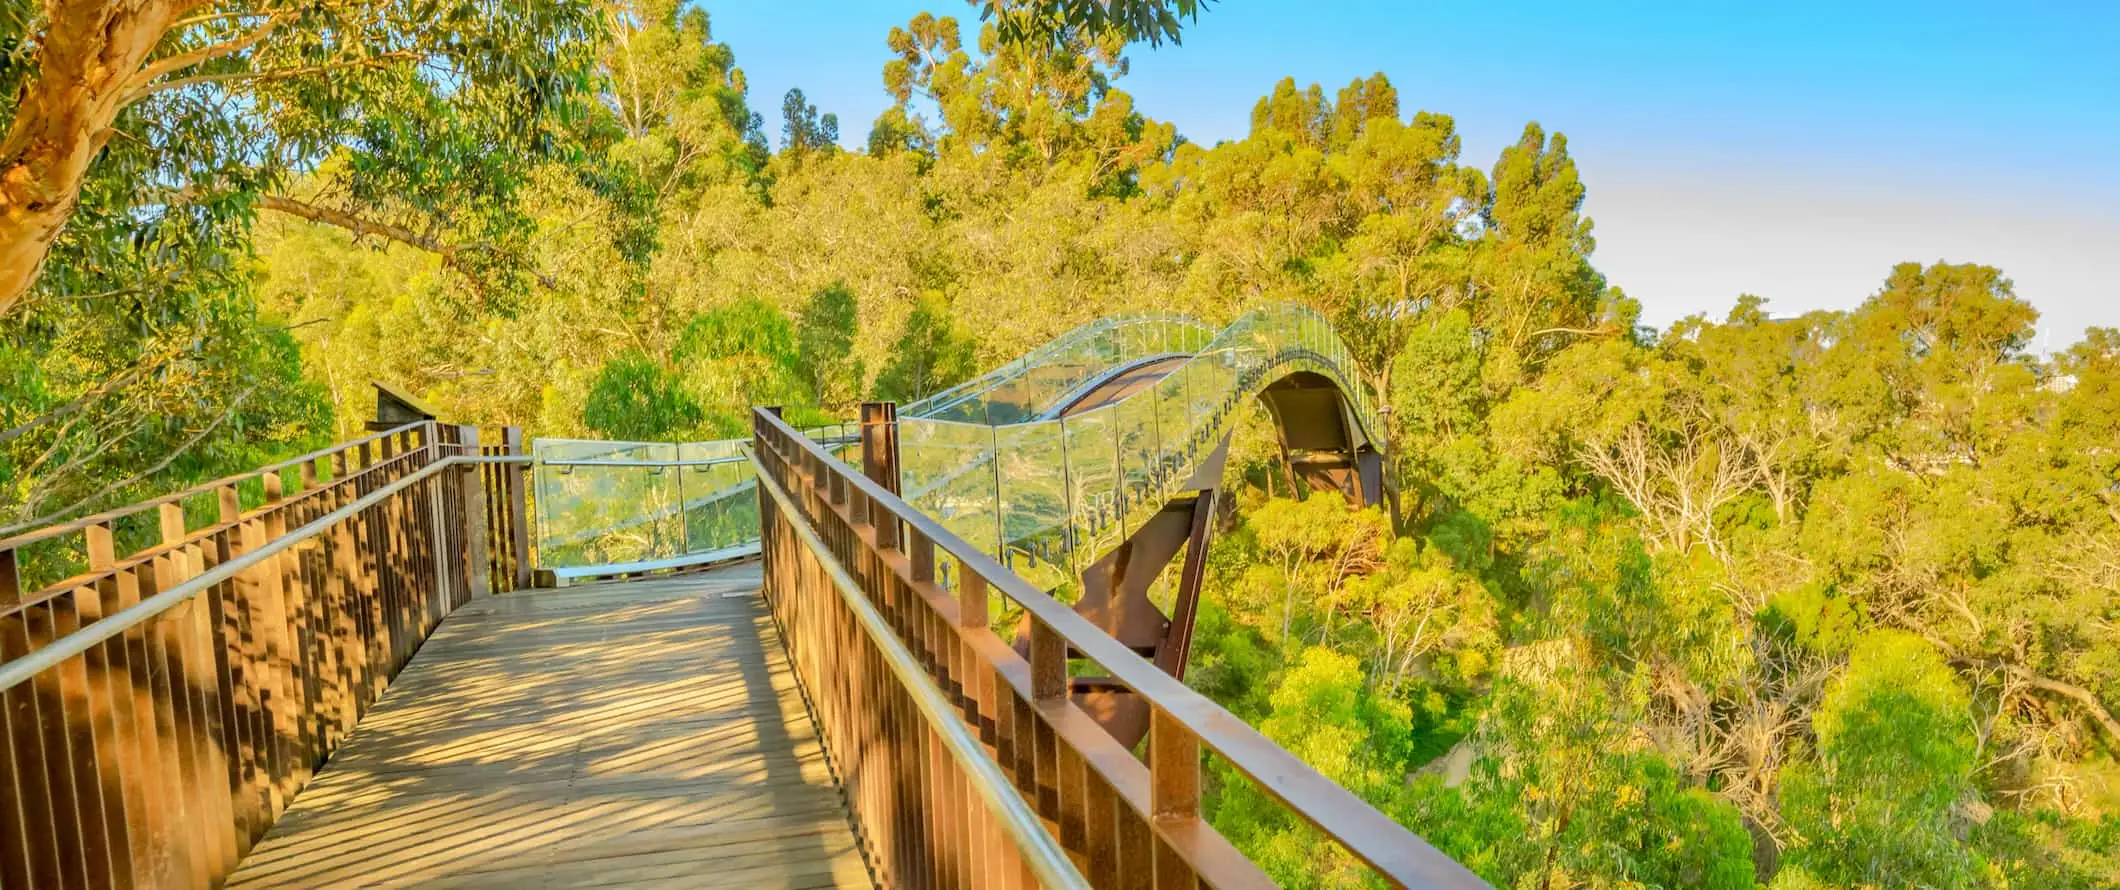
(1092, 463)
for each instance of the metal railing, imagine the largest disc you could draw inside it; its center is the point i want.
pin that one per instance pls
(161, 709)
(924, 816)
(1041, 856)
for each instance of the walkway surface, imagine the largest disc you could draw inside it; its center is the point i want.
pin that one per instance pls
(642, 733)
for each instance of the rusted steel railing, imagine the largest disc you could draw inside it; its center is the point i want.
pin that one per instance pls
(158, 710)
(925, 817)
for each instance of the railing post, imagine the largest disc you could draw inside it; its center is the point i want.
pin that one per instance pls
(515, 490)
(879, 462)
(879, 444)
(473, 504)
(1174, 789)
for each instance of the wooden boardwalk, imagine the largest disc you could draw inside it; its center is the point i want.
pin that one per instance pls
(623, 734)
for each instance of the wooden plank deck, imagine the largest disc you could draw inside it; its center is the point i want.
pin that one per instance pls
(642, 733)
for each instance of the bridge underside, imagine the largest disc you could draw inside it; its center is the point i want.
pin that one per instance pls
(642, 733)
(1320, 446)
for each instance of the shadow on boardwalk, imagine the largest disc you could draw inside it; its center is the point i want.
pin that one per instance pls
(634, 733)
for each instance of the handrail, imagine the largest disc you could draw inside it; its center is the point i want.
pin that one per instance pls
(20, 670)
(562, 576)
(1368, 834)
(699, 462)
(947, 399)
(1068, 400)
(1041, 853)
(53, 531)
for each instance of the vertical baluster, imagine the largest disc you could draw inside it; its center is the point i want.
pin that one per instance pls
(320, 626)
(225, 646)
(166, 707)
(983, 690)
(472, 510)
(253, 605)
(386, 550)
(248, 667)
(382, 554)
(285, 605)
(111, 693)
(39, 734)
(190, 628)
(178, 726)
(1100, 830)
(24, 857)
(1049, 687)
(308, 580)
(1136, 860)
(518, 510)
(359, 547)
(1068, 794)
(77, 722)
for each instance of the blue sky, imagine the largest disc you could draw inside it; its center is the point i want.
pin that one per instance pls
(1795, 150)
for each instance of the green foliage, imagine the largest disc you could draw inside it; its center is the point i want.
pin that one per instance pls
(635, 399)
(2048, 850)
(802, 131)
(139, 360)
(1896, 752)
(737, 355)
(98, 407)
(934, 353)
(824, 345)
(1041, 22)
(748, 328)
(1323, 711)
(1564, 793)
(1814, 617)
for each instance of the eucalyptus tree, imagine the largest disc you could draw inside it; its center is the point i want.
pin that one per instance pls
(167, 115)
(140, 143)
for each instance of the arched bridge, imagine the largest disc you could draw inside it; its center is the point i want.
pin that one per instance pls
(942, 669)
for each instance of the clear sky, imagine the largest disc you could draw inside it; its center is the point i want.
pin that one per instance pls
(1791, 149)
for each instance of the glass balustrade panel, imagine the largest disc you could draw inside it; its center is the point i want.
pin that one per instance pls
(946, 470)
(1092, 480)
(593, 510)
(1032, 469)
(721, 496)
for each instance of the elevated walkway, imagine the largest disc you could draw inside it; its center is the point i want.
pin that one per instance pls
(638, 733)
(330, 672)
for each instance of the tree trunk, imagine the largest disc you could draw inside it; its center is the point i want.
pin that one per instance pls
(63, 117)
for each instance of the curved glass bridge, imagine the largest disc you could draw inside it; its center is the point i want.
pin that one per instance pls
(1047, 462)
(913, 651)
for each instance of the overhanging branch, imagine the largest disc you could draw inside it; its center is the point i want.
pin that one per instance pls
(267, 75)
(142, 83)
(451, 254)
(358, 225)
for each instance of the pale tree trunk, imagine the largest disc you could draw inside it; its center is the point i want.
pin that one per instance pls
(85, 66)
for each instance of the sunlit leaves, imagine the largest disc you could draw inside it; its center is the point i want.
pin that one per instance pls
(1041, 23)
(1896, 751)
